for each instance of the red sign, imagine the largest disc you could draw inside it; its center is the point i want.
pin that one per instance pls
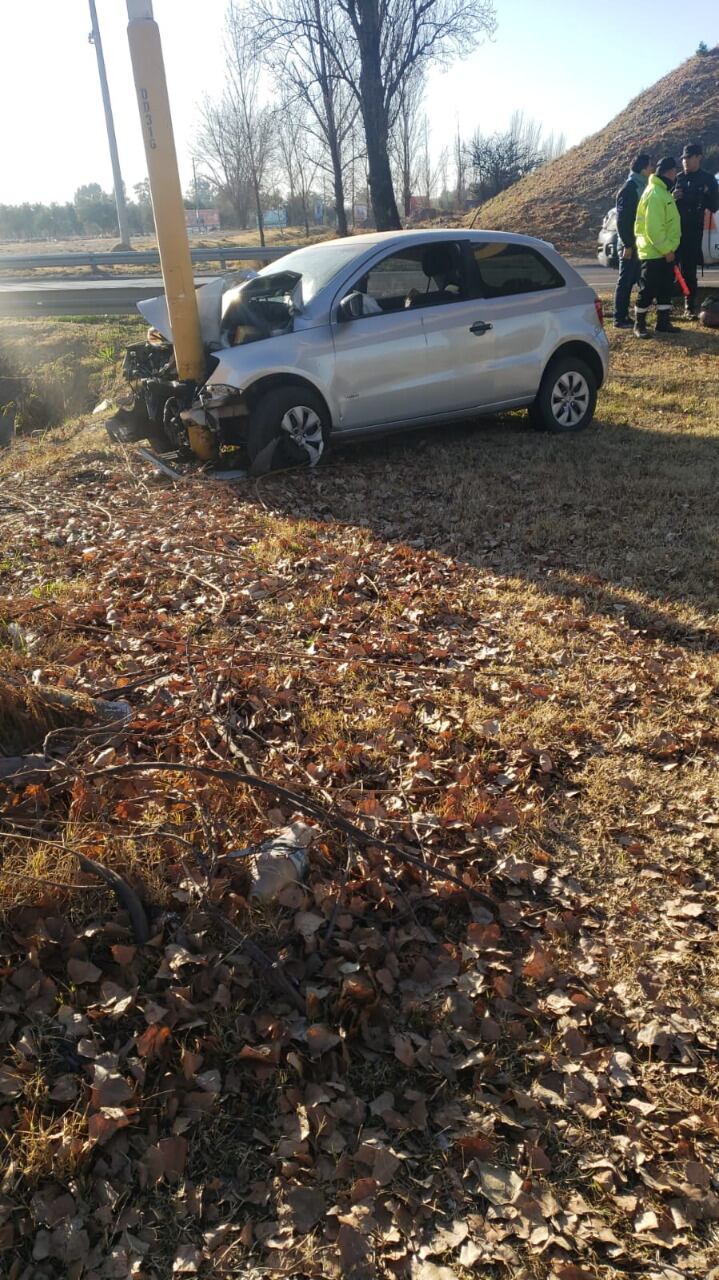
(202, 219)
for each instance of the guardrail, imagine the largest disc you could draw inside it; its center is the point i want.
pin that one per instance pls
(128, 257)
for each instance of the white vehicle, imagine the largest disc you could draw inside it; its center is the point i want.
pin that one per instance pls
(373, 333)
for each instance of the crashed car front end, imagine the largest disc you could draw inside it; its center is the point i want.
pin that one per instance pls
(194, 418)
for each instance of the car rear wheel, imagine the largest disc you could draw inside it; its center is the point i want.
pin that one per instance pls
(288, 428)
(567, 397)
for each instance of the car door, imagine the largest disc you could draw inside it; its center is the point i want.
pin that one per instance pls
(382, 370)
(516, 294)
(460, 348)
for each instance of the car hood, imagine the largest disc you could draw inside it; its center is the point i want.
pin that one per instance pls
(209, 306)
(213, 301)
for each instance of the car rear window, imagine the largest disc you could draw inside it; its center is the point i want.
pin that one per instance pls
(507, 269)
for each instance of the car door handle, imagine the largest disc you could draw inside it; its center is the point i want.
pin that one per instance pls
(479, 326)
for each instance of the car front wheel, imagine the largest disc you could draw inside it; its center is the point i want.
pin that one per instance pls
(289, 427)
(567, 397)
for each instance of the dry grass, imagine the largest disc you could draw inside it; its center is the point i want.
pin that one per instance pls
(572, 582)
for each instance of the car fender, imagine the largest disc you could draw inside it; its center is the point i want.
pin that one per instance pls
(596, 343)
(305, 355)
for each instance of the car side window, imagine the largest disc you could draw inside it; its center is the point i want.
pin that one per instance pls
(428, 275)
(503, 270)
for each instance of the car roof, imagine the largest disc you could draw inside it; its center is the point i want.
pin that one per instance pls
(371, 238)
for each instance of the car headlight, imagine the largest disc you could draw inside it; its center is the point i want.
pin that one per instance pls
(217, 393)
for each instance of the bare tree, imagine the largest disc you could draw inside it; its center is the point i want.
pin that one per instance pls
(427, 173)
(390, 39)
(553, 146)
(297, 154)
(255, 120)
(442, 179)
(303, 40)
(405, 138)
(221, 143)
(501, 159)
(460, 168)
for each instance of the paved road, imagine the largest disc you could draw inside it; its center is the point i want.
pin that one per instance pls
(79, 297)
(119, 297)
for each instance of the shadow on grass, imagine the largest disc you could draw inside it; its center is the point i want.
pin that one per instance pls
(622, 518)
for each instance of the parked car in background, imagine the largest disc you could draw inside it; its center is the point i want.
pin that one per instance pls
(607, 252)
(378, 332)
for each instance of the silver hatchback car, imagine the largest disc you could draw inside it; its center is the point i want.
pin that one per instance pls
(383, 331)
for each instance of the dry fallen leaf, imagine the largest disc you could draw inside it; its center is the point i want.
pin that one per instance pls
(499, 1185)
(320, 1039)
(80, 971)
(304, 1208)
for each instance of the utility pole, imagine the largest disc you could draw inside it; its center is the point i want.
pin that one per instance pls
(122, 222)
(148, 68)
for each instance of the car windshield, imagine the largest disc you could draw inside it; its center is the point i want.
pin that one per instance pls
(315, 265)
(265, 305)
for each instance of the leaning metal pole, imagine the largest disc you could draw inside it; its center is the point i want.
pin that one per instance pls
(122, 223)
(149, 72)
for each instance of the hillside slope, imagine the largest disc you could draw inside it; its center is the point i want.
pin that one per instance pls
(566, 200)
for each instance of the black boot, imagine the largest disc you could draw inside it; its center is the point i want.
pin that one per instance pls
(690, 307)
(664, 322)
(640, 324)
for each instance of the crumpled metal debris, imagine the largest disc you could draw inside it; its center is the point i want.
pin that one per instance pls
(279, 861)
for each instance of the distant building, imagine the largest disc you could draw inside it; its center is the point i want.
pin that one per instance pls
(202, 219)
(275, 217)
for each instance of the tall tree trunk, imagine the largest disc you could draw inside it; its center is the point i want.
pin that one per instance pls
(406, 179)
(339, 188)
(258, 210)
(374, 116)
(325, 83)
(384, 205)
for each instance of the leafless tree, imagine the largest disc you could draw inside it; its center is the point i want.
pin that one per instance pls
(460, 168)
(501, 159)
(391, 38)
(405, 138)
(303, 42)
(442, 178)
(255, 120)
(373, 45)
(553, 146)
(298, 155)
(221, 144)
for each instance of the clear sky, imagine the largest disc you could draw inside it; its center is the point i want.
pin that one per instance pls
(571, 64)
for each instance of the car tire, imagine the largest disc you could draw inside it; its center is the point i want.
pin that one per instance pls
(289, 427)
(566, 398)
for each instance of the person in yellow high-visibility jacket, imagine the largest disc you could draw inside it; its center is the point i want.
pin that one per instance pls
(658, 230)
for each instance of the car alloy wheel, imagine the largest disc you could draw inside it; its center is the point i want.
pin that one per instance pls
(288, 427)
(304, 428)
(570, 399)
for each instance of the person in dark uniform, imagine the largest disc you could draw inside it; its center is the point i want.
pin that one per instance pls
(629, 265)
(695, 191)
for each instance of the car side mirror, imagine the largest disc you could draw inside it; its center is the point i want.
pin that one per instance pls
(351, 307)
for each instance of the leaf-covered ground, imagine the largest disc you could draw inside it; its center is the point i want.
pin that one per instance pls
(494, 652)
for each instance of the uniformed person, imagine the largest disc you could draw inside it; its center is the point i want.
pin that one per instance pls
(627, 203)
(695, 192)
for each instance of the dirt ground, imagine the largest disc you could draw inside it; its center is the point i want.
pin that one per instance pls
(482, 664)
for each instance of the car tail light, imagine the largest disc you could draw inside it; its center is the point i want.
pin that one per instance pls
(599, 310)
